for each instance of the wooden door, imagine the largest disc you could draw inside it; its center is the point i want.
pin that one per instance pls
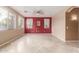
(72, 25)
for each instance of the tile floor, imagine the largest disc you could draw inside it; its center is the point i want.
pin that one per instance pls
(40, 43)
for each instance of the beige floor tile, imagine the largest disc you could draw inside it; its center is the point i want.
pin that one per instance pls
(40, 43)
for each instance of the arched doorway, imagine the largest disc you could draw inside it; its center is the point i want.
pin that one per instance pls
(72, 25)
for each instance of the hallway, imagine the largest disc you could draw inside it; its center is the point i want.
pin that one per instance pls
(39, 43)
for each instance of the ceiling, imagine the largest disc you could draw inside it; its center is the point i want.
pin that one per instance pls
(47, 10)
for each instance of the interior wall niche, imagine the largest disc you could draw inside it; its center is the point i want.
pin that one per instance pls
(72, 25)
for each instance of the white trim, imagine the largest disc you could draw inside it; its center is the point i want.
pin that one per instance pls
(72, 41)
(69, 10)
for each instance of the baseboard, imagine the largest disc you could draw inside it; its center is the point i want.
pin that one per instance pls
(72, 41)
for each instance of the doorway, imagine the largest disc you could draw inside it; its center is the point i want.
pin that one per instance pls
(72, 21)
(37, 24)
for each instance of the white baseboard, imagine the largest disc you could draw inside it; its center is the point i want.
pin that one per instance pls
(72, 41)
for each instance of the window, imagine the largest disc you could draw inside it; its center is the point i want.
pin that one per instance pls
(29, 23)
(46, 23)
(11, 21)
(38, 23)
(3, 19)
(8, 19)
(20, 22)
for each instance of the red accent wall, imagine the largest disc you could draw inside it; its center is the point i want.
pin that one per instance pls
(41, 28)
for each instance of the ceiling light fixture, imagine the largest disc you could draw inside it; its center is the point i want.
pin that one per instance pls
(37, 12)
(25, 11)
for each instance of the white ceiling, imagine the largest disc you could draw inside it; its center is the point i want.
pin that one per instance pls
(47, 10)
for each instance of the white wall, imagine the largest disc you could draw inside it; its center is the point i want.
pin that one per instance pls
(58, 26)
